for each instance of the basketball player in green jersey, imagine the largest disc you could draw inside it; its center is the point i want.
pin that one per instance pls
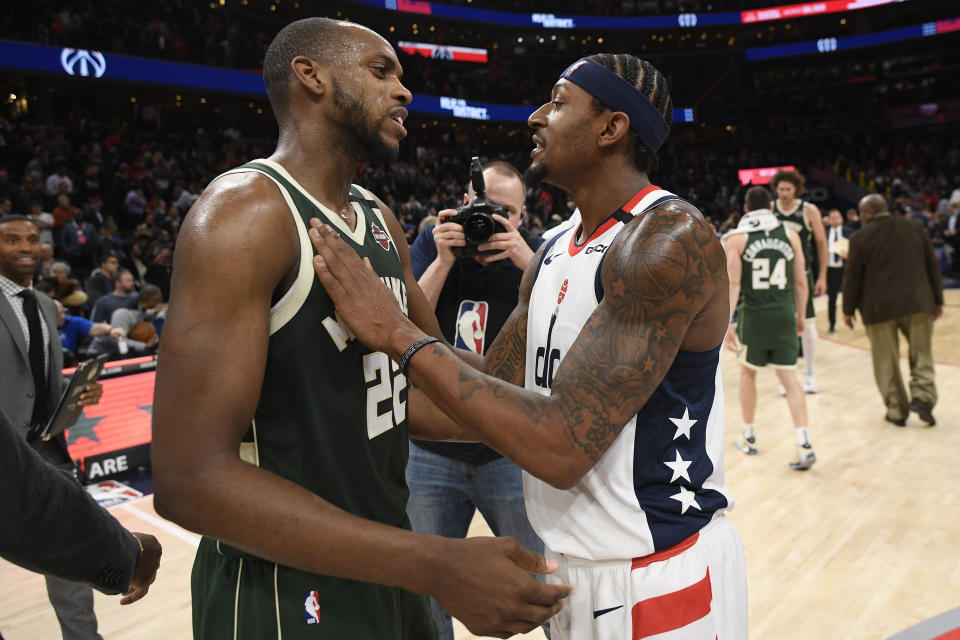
(277, 435)
(767, 273)
(805, 219)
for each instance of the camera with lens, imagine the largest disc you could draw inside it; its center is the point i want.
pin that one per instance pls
(476, 217)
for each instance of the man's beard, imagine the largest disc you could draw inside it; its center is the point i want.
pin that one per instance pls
(535, 174)
(367, 141)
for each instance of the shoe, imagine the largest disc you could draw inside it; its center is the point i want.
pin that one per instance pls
(805, 458)
(746, 444)
(923, 411)
(902, 422)
(810, 385)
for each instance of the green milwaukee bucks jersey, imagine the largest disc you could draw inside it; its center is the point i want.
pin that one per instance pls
(767, 280)
(797, 221)
(332, 415)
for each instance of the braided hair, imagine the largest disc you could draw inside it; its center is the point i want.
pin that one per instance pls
(651, 84)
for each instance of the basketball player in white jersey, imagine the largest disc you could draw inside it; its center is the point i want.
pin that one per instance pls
(615, 341)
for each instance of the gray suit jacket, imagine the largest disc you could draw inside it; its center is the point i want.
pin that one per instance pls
(16, 382)
(51, 525)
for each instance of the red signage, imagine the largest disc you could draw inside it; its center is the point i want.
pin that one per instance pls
(760, 175)
(805, 9)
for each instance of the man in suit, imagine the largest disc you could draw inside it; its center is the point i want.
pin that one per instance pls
(31, 358)
(893, 278)
(837, 247)
(952, 235)
(95, 549)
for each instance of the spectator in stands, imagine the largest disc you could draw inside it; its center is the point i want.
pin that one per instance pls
(134, 204)
(6, 206)
(160, 270)
(98, 284)
(127, 318)
(7, 187)
(66, 289)
(73, 329)
(133, 259)
(57, 181)
(94, 211)
(124, 295)
(62, 212)
(43, 220)
(182, 199)
(78, 240)
(46, 259)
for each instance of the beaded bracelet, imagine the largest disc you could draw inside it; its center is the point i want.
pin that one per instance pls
(412, 349)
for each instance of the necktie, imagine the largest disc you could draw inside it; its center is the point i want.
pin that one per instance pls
(32, 313)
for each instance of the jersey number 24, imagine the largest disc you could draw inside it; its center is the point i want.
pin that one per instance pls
(763, 278)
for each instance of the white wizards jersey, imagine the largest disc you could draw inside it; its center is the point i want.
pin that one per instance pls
(661, 480)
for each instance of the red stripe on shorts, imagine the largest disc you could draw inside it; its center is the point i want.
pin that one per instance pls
(675, 550)
(672, 610)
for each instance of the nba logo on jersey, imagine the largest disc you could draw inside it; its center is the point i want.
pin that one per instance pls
(471, 326)
(311, 606)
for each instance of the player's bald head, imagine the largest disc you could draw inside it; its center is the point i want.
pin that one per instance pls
(328, 42)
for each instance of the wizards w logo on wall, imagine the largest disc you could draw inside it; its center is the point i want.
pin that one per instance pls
(471, 327)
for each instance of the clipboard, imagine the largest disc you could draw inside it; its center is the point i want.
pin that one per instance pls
(68, 408)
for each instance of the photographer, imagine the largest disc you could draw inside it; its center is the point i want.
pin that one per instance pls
(473, 295)
(432, 254)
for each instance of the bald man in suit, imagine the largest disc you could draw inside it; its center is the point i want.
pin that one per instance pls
(892, 276)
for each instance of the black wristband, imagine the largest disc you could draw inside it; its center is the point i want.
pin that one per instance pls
(412, 349)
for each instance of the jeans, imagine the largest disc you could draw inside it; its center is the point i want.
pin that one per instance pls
(445, 492)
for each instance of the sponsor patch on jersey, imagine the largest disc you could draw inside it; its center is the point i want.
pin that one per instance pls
(563, 291)
(471, 330)
(382, 237)
(311, 606)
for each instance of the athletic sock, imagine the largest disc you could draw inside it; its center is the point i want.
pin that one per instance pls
(747, 430)
(809, 340)
(803, 436)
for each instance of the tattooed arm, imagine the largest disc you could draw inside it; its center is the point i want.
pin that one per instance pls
(665, 289)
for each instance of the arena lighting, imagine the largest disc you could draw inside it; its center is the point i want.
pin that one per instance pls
(443, 52)
(675, 21)
(42, 58)
(760, 175)
(830, 45)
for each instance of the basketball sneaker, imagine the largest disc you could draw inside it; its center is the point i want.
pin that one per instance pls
(810, 385)
(805, 457)
(747, 444)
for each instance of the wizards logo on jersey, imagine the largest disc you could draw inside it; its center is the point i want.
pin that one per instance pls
(382, 238)
(471, 329)
(311, 606)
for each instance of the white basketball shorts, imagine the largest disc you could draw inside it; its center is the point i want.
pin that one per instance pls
(695, 590)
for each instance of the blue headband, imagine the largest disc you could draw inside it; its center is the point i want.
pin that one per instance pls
(619, 95)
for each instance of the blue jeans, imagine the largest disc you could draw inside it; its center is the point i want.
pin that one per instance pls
(444, 493)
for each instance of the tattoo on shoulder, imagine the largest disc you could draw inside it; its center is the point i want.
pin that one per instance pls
(657, 277)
